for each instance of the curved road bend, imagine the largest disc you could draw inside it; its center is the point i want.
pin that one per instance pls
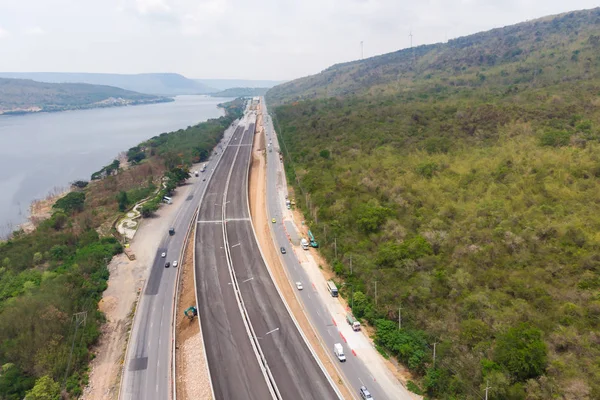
(147, 369)
(295, 370)
(233, 364)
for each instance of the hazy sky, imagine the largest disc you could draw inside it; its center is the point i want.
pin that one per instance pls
(253, 39)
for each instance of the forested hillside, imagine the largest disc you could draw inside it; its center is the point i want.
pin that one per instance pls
(52, 279)
(24, 95)
(462, 181)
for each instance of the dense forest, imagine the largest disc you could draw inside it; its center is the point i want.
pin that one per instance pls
(52, 279)
(460, 182)
(18, 96)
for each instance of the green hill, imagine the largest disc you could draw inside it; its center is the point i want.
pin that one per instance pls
(241, 92)
(463, 178)
(165, 84)
(24, 96)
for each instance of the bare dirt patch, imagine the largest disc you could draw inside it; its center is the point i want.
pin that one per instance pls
(118, 302)
(40, 210)
(192, 372)
(258, 208)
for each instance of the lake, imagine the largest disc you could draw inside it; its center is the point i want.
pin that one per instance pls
(42, 152)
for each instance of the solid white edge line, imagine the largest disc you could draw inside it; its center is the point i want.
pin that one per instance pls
(331, 382)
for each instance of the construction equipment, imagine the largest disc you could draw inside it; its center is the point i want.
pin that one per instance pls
(191, 312)
(313, 242)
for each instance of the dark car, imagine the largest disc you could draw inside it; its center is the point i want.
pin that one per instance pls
(283, 250)
(172, 231)
(167, 265)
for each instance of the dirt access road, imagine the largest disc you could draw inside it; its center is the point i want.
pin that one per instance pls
(124, 284)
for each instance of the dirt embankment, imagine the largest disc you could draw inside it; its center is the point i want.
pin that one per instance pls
(258, 209)
(192, 371)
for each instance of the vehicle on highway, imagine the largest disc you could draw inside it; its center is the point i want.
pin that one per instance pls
(273, 220)
(304, 244)
(299, 285)
(338, 350)
(163, 255)
(283, 250)
(171, 231)
(365, 394)
(174, 263)
(333, 290)
(167, 265)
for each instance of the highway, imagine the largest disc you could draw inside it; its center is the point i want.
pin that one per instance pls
(233, 362)
(147, 366)
(354, 370)
(227, 260)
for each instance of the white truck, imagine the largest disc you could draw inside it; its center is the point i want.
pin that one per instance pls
(203, 168)
(304, 244)
(338, 350)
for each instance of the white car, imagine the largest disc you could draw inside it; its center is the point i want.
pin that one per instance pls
(174, 263)
(299, 285)
(163, 255)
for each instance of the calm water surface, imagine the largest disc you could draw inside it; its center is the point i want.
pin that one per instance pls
(41, 152)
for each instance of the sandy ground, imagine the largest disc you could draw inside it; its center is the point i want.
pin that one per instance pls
(193, 381)
(40, 210)
(124, 284)
(258, 208)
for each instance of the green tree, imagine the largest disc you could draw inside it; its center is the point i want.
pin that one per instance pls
(45, 389)
(522, 352)
(122, 200)
(72, 202)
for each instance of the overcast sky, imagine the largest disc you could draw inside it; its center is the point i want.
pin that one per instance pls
(251, 39)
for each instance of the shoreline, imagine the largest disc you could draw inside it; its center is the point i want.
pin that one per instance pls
(37, 110)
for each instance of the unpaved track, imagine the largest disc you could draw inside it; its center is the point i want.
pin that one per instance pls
(258, 209)
(125, 281)
(192, 371)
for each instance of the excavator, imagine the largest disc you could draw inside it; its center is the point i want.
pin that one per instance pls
(313, 242)
(191, 312)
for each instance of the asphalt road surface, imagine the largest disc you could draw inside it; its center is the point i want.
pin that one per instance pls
(354, 370)
(233, 365)
(148, 358)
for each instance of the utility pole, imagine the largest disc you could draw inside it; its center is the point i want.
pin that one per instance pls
(375, 293)
(361, 50)
(487, 387)
(434, 344)
(350, 264)
(335, 246)
(80, 318)
(400, 317)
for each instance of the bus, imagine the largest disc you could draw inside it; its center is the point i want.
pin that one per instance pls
(332, 289)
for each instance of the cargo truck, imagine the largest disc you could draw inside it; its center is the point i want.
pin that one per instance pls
(338, 350)
(353, 322)
(304, 244)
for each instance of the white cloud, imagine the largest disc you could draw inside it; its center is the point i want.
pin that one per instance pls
(35, 31)
(277, 39)
(4, 33)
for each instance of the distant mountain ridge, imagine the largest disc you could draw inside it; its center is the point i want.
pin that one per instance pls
(241, 92)
(223, 84)
(165, 84)
(21, 96)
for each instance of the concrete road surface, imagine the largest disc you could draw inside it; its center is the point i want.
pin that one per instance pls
(354, 369)
(147, 372)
